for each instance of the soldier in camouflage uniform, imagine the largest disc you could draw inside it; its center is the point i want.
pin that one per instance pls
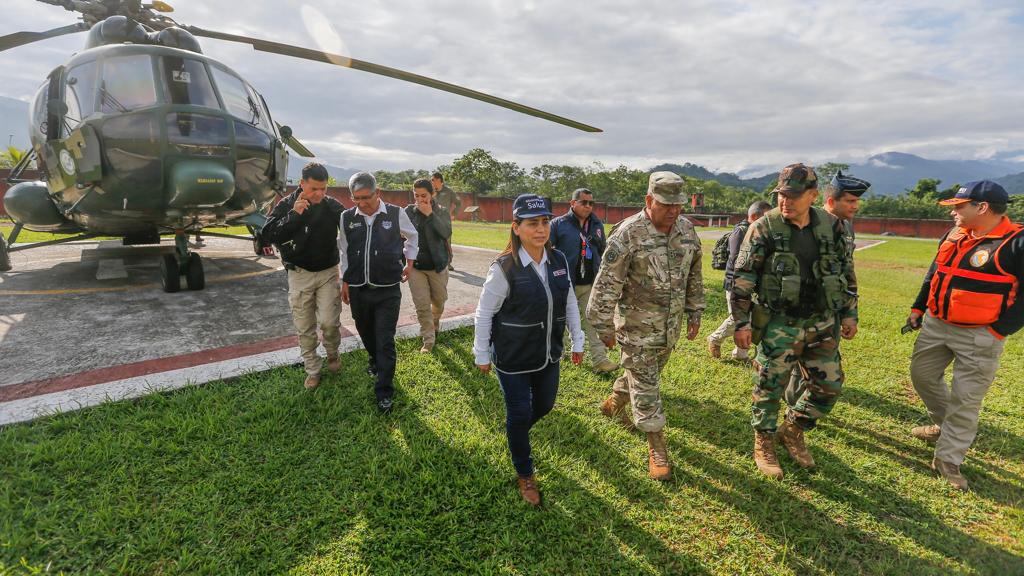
(842, 200)
(795, 263)
(650, 278)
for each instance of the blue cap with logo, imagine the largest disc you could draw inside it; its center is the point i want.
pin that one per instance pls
(530, 206)
(979, 191)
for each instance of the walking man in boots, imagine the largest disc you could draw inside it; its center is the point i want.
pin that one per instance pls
(650, 279)
(968, 304)
(842, 200)
(796, 263)
(304, 227)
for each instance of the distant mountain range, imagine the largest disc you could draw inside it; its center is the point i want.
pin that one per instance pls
(757, 183)
(891, 173)
(13, 123)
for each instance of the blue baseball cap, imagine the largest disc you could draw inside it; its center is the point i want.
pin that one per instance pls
(530, 206)
(978, 191)
(848, 184)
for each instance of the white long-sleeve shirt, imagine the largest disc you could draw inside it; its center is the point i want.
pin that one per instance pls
(493, 296)
(405, 226)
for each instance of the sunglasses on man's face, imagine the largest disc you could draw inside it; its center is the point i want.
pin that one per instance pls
(585, 202)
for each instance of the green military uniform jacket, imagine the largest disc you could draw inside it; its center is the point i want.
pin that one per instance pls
(447, 198)
(647, 282)
(758, 247)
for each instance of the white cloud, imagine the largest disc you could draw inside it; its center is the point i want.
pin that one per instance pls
(727, 84)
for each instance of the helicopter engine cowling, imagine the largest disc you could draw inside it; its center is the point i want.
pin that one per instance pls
(199, 184)
(29, 203)
(116, 30)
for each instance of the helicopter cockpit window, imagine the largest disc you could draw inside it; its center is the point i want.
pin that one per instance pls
(235, 96)
(127, 84)
(80, 94)
(187, 82)
(39, 112)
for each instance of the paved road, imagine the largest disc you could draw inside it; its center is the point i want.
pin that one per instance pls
(57, 319)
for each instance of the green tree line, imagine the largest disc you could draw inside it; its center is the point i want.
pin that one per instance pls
(479, 172)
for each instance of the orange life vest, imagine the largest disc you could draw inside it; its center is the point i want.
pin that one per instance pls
(969, 286)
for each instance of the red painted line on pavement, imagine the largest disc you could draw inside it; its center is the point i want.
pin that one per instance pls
(157, 365)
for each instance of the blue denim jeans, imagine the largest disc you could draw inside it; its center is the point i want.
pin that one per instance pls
(528, 398)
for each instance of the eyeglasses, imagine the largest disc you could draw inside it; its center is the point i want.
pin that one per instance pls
(585, 202)
(362, 198)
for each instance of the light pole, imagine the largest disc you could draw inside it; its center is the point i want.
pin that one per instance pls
(9, 138)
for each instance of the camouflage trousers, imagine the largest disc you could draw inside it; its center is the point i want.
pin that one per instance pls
(809, 345)
(640, 378)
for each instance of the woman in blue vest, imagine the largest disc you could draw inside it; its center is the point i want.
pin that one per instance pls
(526, 302)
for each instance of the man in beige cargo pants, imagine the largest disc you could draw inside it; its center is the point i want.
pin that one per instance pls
(304, 227)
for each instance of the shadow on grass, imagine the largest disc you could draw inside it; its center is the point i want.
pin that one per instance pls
(834, 546)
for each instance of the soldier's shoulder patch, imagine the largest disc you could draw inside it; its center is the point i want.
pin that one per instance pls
(611, 254)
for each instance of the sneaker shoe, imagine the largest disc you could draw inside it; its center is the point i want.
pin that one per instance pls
(929, 434)
(740, 355)
(385, 404)
(371, 371)
(950, 473)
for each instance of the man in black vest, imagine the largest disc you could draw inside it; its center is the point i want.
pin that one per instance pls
(375, 260)
(304, 227)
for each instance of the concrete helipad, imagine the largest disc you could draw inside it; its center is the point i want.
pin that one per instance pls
(80, 323)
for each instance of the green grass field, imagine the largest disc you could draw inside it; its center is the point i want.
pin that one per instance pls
(256, 475)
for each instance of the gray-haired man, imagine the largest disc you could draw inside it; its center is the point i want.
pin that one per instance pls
(375, 260)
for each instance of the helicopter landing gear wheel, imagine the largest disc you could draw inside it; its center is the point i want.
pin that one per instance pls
(194, 272)
(5, 256)
(170, 274)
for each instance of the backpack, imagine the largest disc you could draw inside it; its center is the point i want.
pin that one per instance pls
(720, 253)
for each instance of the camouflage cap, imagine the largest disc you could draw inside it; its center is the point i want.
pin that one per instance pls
(666, 187)
(796, 179)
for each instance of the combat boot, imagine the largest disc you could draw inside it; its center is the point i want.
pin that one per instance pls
(929, 434)
(657, 461)
(618, 406)
(311, 382)
(950, 473)
(714, 348)
(764, 455)
(333, 363)
(792, 437)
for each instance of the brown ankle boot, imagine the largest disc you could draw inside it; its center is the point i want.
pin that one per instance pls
(528, 490)
(764, 455)
(792, 437)
(618, 406)
(950, 473)
(657, 461)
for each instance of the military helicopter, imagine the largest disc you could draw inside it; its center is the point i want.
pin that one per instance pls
(141, 135)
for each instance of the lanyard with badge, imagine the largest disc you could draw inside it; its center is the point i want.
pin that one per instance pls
(585, 252)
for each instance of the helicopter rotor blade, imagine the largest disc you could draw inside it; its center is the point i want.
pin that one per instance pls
(297, 146)
(21, 38)
(346, 62)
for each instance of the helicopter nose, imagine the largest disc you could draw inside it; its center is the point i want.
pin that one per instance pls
(199, 183)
